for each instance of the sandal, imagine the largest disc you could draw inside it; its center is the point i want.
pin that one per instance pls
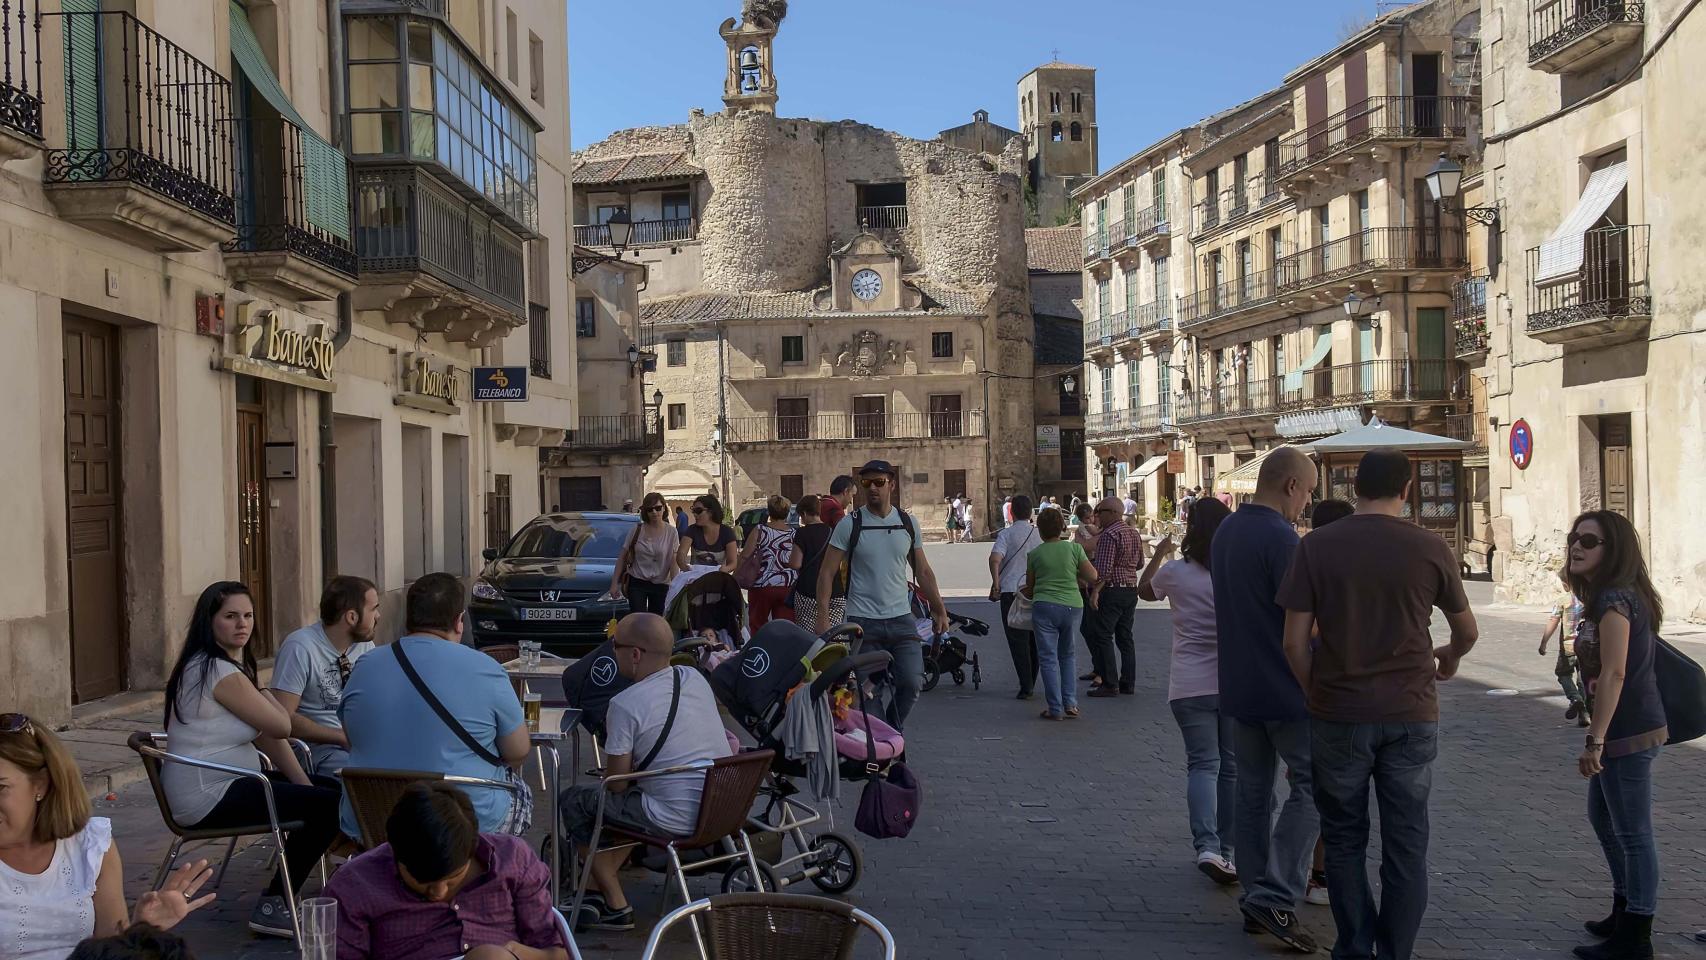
(1050, 715)
(1071, 713)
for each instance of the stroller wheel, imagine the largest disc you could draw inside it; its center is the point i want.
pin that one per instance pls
(839, 863)
(976, 673)
(738, 879)
(959, 678)
(932, 676)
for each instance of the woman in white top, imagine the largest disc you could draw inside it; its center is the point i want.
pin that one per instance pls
(648, 562)
(1193, 688)
(216, 712)
(772, 543)
(60, 876)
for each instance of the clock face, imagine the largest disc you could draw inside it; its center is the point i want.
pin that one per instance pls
(867, 284)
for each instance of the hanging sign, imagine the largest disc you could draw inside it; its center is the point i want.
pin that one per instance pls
(500, 384)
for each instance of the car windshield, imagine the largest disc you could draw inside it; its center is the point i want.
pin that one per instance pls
(596, 539)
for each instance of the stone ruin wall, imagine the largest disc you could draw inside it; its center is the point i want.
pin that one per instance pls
(762, 228)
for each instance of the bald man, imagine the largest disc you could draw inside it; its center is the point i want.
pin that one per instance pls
(641, 736)
(1118, 557)
(1270, 724)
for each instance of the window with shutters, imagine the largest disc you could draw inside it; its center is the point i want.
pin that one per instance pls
(586, 317)
(942, 345)
(1104, 300)
(1128, 198)
(1133, 386)
(793, 349)
(1107, 389)
(539, 340)
(1162, 284)
(678, 416)
(1130, 279)
(792, 486)
(1164, 386)
(675, 352)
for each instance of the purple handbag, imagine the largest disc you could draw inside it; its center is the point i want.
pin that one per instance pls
(891, 801)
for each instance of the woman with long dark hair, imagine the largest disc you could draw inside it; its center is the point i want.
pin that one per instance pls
(1616, 646)
(708, 542)
(216, 711)
(647, 563)
(1193, 686)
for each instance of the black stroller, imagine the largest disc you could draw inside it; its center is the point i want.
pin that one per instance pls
(949, 654)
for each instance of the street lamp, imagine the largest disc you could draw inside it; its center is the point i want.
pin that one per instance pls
(621, 230)
(657, 399)
(1445, 179)
(1069, 384)
(1358, 306)
(633, 360)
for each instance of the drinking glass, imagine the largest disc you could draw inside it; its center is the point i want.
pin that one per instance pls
(319, 919)
(531, 704)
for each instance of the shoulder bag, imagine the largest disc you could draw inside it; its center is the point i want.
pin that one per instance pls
(891, 801)
(668, 723)
(1682, 690)
(1019, 612)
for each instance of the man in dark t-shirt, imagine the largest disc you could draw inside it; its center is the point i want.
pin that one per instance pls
(1370, 582)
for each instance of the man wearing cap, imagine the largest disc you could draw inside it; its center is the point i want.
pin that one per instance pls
(883, 545)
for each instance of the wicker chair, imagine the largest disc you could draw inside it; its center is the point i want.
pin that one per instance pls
(373, 793)
(775, 926)
(502, 652)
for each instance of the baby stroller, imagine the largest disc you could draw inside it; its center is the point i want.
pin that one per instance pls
(709, 607)
(753, 686)
(948, 654)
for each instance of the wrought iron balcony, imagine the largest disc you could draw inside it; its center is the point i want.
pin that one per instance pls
(617, 433)
(890, 218)
(646, 232)
(1228, 300)
(1470, 428)
(1151, 226)
(1372, 382)
(1607, 300)
(1375, 250)
(1374, 120)
(1150, 420)
(20, 78)
(1469, 315)
(855, 426)
(278, 244)
(1152, 317)
(1095, 248)
(1233, 205)
(148, 154)
(1572, 35)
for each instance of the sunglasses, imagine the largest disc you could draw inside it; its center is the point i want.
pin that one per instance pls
(698, 510)
(1588, 541)
(16, 723)
(344, 668)
(653, 509)
(878, 482)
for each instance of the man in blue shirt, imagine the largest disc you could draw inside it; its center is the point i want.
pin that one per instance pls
(879, 589)
(391, 725)
(1270, 724)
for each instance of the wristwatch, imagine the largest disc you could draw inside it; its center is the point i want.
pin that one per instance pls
(1593, 744)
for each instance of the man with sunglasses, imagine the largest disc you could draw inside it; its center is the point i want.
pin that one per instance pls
(315, 662)
(883, 544)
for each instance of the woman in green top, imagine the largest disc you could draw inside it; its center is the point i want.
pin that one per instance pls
(1053, 573)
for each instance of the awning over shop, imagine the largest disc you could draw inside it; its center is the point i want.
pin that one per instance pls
(1149, 468)
(1380, 436)
(1243, 478)
(1561, 253)
(1318, 423)
(1323, 347)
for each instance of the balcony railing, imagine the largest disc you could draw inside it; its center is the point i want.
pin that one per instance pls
(1152, 316)
(1233, 204)
(539, 340)
(626, 431)
(1470, 428)
(1149, 420)
(1376, 381)
(1251, 290)
(1377, 248)
(1469, 315)
(20, 67)
(1557, 24)
(1375, 118)
(646, 232)
(140, 109)
(855, 426)
(1095, 248)
(881, 218)
(275, 186)
(1149, 222)
(1611, 287)
(406, 221)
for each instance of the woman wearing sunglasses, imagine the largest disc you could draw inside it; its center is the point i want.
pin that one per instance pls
(61, 880)
(1615, 646)
(708, 543)
(647, 563)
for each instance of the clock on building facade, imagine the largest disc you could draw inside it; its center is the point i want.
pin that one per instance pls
(867, 285)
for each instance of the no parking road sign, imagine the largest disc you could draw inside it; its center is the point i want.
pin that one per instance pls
(1522, 444)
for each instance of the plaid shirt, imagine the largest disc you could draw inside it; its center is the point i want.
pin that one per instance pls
(1119, 555)
(380, 918)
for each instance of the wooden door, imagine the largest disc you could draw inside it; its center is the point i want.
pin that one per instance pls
(870, 418)
(94, 528)
(1614, 469)
(1425, 70)
(252, 518)
(793, 419)
(1433, 373)
(580, 493)
(945, 416)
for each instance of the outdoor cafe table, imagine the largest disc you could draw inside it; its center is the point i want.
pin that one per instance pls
(556, 724)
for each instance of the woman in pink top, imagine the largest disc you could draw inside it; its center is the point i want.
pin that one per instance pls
(1193, 688)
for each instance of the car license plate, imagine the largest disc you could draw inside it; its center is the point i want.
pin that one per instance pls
(549, 613)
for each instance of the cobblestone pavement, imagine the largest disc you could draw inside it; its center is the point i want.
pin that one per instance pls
(1041, 840)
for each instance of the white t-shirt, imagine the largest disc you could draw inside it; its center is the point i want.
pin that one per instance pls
(207, 731)
(43, 916)
(1130, 507)
(1015, 542)
(633, 722)
(1196, 646)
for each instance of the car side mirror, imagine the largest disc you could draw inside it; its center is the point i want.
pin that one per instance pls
(490, 553)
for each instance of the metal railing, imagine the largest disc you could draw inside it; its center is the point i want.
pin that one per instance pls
(1468, 427)
(405, 220)
(274, 214)
(627, 431)
(1152, 316)
(645, 232)
(140, 109)
(1148, 420)
(539, 340)
(1233, 204)
(1149, 222)
(1376, 118)
(881, 218)
(1250, 290)
(1555, 24)
(20, 67)
(1095, 248)
(1374, 381)
(1469, 314)
(855, 426)
(1377, 248)
(1611, 283)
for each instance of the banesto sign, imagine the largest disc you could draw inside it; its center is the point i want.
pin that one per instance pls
(420, 378)
(264, 336)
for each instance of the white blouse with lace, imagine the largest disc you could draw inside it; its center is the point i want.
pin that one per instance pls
(44, 916)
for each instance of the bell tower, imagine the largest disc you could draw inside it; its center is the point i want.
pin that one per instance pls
(751, 83)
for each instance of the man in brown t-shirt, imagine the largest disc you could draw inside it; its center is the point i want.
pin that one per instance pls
(1370, 583)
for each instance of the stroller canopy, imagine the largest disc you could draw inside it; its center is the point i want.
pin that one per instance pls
(772, 663)
(590, 682)
(712, 601)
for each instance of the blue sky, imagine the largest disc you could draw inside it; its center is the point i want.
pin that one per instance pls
(1161, 64)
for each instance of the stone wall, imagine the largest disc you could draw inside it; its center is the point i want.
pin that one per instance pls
(762, 227)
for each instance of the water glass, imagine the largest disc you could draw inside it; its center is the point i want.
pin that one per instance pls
(319, 919)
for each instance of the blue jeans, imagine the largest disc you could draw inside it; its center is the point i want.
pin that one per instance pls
(1273, 854)
(1053, 625)
(1213, 772)
(1620, 807)
(1399, 758)
(899, 636)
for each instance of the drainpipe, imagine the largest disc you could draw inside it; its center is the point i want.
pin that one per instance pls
(346, 316)
(722, 414)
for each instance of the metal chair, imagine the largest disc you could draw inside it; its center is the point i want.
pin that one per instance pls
(774, 926)
(151, 748)
(373, 793)
(568, 934)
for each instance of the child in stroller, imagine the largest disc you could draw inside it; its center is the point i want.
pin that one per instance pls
(948, 654)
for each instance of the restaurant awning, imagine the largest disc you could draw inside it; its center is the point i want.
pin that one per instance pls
(1243, 478)
(1318, 423)
(1381, 436)
(1149, 467)
(1561, 253)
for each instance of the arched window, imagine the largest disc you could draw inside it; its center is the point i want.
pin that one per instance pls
(1054, 102)
(1077, 130)
(1054, 131)
(1077, 102)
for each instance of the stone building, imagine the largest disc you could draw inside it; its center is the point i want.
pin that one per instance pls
(1594, 305)
(1057, 287)
(820, 294)
(1057, 115)
(228, 331)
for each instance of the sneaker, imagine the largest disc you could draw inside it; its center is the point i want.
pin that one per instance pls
(1217, 868)
(1583, 719)
(1317, 892)
(1284, 925)
(1574, 710)
(1103, 691)
(595, 914)
(271, 916)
